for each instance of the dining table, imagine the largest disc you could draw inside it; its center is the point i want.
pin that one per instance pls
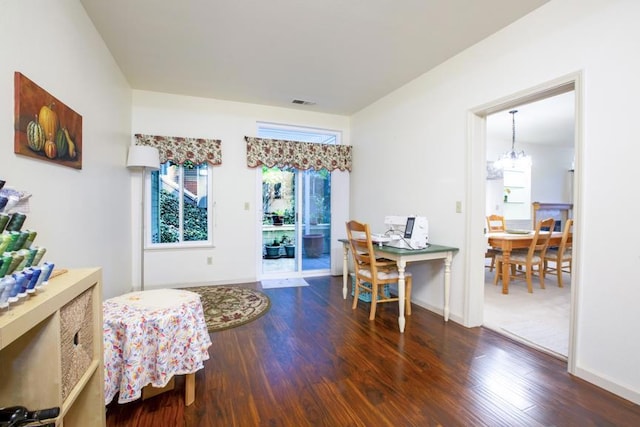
(507, 241)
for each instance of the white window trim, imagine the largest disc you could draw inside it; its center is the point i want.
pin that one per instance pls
(209, 243)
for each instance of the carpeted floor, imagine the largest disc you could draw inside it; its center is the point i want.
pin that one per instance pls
(540, 319)
(230, 306)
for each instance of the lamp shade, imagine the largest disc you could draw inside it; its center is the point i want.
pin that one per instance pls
(142, 156)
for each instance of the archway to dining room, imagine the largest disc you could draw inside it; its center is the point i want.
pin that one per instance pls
(542, 319)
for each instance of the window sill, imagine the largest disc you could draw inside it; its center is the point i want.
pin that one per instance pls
(180, 246)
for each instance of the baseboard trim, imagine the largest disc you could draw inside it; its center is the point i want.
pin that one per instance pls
(208, 283)
(617, 389)
(437, 310)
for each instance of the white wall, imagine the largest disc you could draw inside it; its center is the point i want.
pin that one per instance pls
(551, 181)
(82, 216)
(549, 172)
(235, 255)
(424, 127)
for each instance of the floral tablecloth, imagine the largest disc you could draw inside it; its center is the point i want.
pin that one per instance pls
(149, 337)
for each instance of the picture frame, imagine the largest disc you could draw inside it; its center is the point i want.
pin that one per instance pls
(45, 127)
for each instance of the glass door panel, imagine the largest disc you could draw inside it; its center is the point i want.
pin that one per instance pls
(316, 219)
(279, 221)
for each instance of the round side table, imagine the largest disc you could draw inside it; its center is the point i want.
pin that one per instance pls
(149, 337)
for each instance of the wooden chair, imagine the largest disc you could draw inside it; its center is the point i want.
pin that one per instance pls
(372, 274)
(495, 223)
(534, 257)
(562, 256)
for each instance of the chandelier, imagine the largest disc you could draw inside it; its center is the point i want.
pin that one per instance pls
(513, 157)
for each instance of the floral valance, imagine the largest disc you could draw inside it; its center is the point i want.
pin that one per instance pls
(301, 155)
(179, 149)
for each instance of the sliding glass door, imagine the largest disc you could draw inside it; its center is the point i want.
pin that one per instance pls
(296, 213)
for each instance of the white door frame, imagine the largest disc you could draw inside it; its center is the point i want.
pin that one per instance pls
(475, 218)
(339, 213)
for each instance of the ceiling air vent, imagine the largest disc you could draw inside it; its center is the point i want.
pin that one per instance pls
(302, 102)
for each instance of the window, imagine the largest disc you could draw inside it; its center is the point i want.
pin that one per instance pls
(179, 204)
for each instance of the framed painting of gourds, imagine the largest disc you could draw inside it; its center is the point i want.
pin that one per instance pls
(45, 128)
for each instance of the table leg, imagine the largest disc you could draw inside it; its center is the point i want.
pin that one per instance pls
(447, 284)
(506, 270)
(189, 389)
(345, 269)
(150, 391)
(401, 292)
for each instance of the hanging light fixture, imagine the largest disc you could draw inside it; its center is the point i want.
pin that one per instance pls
(511, 158)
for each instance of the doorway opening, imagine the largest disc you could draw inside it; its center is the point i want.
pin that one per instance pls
(484, 199)
(296, 211)
(545, 132)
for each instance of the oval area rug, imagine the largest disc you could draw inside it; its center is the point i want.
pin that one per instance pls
(230, 306)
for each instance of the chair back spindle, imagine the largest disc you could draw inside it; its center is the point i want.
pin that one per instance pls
(372, 273)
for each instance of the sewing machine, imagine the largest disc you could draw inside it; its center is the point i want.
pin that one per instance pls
(407, 232)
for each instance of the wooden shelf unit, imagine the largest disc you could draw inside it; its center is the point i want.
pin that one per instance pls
(33, 348)
(559, 211)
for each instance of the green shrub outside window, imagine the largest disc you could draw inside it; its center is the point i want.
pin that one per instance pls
(179, 203)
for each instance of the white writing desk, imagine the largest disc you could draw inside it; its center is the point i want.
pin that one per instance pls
(402, 257)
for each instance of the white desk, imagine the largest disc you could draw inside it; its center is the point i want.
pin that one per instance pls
(402, 257)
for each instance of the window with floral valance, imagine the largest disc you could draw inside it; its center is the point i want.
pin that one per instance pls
(180, 149)
(300, 155)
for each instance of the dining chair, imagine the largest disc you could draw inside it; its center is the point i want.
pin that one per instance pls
(533, 257)
(562, 256)
(495, 223)
(371, 274)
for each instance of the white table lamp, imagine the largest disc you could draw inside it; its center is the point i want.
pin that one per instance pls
(143, 157)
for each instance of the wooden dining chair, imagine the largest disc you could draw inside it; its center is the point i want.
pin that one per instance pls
(533, 257)
(495, 223)
(562, 256)
(372, 274)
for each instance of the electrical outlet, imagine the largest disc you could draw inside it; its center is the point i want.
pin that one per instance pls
(458, 206)
(209, 260)
(246, 206)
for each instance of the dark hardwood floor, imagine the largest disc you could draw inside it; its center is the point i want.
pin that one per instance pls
(312, 361)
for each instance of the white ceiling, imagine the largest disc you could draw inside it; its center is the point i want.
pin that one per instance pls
(547, 121)
(340, 54)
